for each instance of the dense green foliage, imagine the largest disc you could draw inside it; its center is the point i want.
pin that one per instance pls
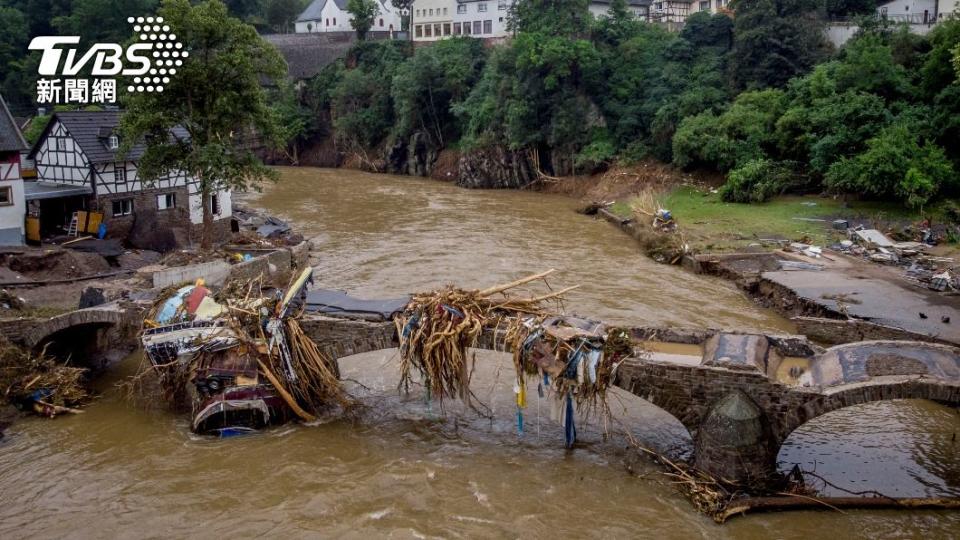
(881, 119)
(760, 97)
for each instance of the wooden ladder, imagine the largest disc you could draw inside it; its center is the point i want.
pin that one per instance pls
(74, 222)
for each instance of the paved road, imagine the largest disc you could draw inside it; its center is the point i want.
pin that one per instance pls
(875, 293)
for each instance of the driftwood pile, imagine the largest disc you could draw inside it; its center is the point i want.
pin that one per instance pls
(437, 328)
(38, 382)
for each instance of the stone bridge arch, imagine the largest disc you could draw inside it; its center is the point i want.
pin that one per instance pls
(84, 334)
(855, 394)
(857, 373)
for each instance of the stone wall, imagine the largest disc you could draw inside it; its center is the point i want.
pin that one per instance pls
(344, 337)
(837, 331)
(119, 226)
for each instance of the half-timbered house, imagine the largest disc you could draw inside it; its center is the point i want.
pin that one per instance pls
(12, 205)
(79, 167)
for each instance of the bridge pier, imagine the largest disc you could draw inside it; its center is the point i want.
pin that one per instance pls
(735, 442)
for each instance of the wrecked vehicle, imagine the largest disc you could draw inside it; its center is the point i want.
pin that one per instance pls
(239, 363)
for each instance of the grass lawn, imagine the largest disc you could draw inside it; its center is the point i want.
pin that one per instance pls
(713, 225)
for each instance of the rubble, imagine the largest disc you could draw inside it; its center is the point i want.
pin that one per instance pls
(255, 228)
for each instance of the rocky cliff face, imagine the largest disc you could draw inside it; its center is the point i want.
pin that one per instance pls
(414, 156)
(495, 167)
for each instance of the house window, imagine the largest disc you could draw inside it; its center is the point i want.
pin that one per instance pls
(418, 30)
(437, 30)
(482, 7)
(122, 207)
(166, 201)
(477, 27)
(381, 23)
(113, 142)
(428, 30)
(334, 21)
(444, 11)
(487, 27)
(215, 204)
(418, 13)
(705, 5)
(61, 144)
(120, 173)
(462, 8)
(446, 29)
(456, 29)
(431, 12)
(501, 5)
(466, 29)
(6, 196)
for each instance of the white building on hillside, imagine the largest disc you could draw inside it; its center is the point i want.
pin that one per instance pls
(947, 9)
(433, 19)
(640, 8)
(482, 18)
(909, 11)
(332, 16)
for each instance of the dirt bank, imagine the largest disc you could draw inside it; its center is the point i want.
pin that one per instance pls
(624, 181)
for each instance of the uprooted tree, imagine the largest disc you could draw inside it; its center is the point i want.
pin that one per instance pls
(216, 97)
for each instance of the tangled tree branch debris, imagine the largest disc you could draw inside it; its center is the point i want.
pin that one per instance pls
(39, 383)
(573, 358)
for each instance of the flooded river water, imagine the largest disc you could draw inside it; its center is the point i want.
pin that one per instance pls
(407, 469)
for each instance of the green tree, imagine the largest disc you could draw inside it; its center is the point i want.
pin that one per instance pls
(13, 44)
(293, 119)
(896, 164)
(742, 133)
(429, 84)
(102, 20)
(774, 41)
(216, 97)
(281, 14)
(363, 14)
(360, 102)
(551, 17)
(956, 59)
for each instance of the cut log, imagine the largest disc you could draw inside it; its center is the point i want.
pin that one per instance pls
(793, 502)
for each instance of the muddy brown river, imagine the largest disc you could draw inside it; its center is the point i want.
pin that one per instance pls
(406, 468)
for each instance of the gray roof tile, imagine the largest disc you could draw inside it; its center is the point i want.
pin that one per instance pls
(10, 137)
(91, 129)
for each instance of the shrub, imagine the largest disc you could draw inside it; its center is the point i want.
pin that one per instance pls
(758, 180)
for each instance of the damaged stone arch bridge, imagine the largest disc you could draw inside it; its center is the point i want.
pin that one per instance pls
(730, 399)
